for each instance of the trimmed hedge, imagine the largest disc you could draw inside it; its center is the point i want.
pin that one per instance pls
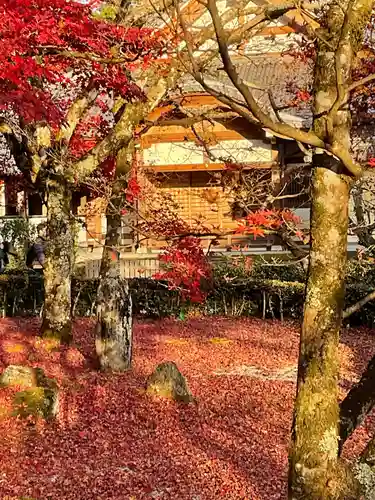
(23, 295)
(244, 294)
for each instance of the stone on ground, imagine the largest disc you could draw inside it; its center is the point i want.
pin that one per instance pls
(39, 394)
(23, 376)
(168, 382)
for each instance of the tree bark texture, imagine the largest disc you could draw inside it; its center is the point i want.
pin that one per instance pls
(315, 469)
(114, 306)
(57, 320)
(363, 230)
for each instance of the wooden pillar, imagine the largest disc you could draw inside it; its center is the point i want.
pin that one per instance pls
(275, 170)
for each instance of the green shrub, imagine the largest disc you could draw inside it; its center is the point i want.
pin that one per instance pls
(264, 290)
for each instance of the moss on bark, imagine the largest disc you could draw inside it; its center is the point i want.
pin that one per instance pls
(114, 305)
(57, 322)
(315, 472)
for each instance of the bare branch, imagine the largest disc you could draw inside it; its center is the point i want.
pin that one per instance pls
(357, 306)
(362, 81)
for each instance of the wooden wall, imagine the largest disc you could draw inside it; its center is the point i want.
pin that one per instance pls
(198, 199)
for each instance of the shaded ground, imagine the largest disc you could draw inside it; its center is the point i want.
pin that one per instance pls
(113, 442)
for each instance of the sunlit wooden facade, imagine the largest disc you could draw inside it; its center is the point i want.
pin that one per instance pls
(191, 174)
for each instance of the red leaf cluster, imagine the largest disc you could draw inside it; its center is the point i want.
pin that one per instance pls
(45, 40)
(187, 268)
(262, 221)
(133, 190)
(88, 133)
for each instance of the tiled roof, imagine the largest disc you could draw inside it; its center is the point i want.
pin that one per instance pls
(280, 76)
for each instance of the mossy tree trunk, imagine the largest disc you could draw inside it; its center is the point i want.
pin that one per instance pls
(114, 306)
(315, 471)
(57, 321)
(363, 229)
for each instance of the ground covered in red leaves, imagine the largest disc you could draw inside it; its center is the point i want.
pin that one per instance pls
(111, 441)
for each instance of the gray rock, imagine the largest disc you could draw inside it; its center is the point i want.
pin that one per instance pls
(168, 382)
(39, 394)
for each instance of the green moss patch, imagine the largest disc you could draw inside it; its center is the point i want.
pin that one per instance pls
(39, 394)
(37, 402)
(168, 382)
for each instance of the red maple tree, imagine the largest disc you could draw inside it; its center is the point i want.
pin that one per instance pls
(56, 42)
(66, 79)
(55, 52)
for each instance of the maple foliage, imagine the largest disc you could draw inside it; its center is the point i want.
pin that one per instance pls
(260, 222)
(133, 189)
(185, 265)
(56, 53)
(183, 261)
(112, 441)
(187, 268)
(52, 41)
(88, 133)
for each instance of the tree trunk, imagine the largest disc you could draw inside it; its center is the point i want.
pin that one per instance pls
(314, 469)
(358, 403)
(57, 320)
(114, 306)
(363, 229)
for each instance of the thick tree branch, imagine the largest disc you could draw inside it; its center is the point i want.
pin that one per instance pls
(271, 12)
(344, 45)
(87, 56)
(122, 133)
(37, 145)
(75, 114)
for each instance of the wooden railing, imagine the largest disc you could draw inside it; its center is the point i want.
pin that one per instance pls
(131, 266)
(146, 265)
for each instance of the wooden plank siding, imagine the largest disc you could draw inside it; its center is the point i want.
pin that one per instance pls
(197, 200)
